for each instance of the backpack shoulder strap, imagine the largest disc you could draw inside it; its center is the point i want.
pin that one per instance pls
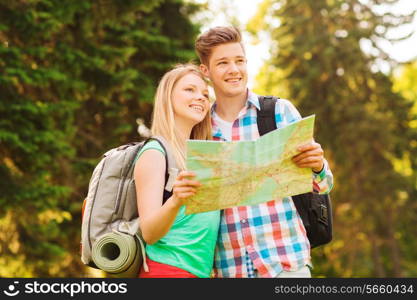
(171, 170)
(266, 114)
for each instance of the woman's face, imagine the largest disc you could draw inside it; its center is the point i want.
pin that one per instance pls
(190, 99)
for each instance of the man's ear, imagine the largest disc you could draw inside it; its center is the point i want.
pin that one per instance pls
(204, 69)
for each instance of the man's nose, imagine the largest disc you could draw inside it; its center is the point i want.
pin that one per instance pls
(233, 68)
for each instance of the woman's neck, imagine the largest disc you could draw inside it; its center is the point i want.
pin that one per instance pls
(183, 130)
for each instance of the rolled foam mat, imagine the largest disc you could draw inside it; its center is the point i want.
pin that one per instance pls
(118, 254)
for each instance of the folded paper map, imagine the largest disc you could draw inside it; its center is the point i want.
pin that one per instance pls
(249, 172)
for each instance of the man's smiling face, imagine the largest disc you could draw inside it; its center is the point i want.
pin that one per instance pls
(227, 70)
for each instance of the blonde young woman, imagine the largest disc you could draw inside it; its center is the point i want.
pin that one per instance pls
(178, 245)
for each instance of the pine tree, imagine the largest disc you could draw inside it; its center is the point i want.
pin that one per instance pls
(74, 76)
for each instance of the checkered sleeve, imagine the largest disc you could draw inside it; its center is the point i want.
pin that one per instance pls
(323, 181)
(285, 113)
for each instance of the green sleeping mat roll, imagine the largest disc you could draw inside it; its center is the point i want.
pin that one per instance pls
(118, 254)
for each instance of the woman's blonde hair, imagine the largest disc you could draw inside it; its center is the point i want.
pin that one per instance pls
(163, 121)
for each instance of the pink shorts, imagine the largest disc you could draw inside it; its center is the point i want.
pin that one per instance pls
(158, 270)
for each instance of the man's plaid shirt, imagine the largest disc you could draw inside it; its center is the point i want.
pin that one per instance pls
(271, 233)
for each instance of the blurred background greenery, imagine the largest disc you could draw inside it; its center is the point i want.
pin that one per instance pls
(75, 75)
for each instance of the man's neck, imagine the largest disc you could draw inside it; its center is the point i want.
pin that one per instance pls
(228, 108)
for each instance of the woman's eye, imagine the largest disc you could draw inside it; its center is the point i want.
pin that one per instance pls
(189, 89)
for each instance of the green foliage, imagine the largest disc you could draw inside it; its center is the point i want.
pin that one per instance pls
(405, 82)
(74, 76)
(320, 62)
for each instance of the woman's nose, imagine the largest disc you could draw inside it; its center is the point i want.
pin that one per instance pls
(201, 97)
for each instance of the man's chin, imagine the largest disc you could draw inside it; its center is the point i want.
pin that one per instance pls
(235, 92)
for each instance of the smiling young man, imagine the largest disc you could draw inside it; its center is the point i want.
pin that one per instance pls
(268, 239)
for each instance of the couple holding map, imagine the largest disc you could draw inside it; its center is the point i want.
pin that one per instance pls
(230, 213)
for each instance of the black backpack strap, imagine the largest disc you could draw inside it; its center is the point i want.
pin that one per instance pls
(266, 114)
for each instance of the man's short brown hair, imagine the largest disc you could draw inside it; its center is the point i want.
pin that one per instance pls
(214, 37)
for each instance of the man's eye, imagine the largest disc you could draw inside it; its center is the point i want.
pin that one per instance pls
(222, 63)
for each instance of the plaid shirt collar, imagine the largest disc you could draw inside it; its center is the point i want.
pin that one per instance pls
(252, 101)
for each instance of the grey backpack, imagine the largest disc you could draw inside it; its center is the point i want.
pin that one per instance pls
(110, 213)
